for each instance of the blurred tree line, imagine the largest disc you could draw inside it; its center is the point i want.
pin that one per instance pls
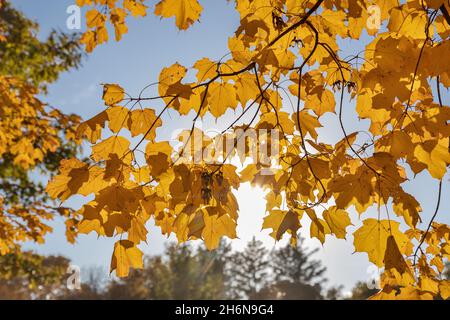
(182, 272)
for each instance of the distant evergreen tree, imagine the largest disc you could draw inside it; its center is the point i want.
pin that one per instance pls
(294, 264)
(296, 275)
(248, 271)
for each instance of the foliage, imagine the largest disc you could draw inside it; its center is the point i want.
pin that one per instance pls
(41, 62)
(34, 137)
(26, 275)
(282, 51)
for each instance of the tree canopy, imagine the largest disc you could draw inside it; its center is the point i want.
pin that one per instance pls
(284, 71)
(34, 136)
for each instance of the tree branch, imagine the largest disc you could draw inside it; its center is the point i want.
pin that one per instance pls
(445, 13)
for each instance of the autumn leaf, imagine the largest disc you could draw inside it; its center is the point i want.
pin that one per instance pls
(372, 238)
(221, 97)
(186, 12)
(125, 256)
(337, 220)
(114, 145)
(144, 122)
(112, 94)
(280, 222)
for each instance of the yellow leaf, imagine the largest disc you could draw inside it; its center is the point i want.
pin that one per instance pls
(114, 145)
(395, 264)
(319, 229)
(216, 227)
(125, 256)
(92, 128)
(207, 69)
(58, 186)
(137, 231)
(435, 155)
(321, 103)
(158, 156)
(372, 239)
(246, 88)
(282, 221)
(95, 19)
(444, 289)
(112, 94)
(308, 123)
(186, 12)
(408, 22)
(429, 285)
(170, 76)
(144, 122)
(136, 7)
(118, 118)
(221, 97)
(117, 18)
(338, 220)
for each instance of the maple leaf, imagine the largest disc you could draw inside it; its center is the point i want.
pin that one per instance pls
(282, 221)
(118, 118)
(435, 155)
(215, 227)
(337, 220)
(113, 145)
(186, 12)
(125, 256)
(136, 7)
(221, 96)
(112, 94)
(372, 238)
(144, 122)
(207, 69)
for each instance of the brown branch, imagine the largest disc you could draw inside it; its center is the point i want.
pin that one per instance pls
(151, 127)
(429, 224)
(324, 194)
(445, 13)
(294, 26)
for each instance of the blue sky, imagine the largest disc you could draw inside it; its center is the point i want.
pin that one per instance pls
(136, 61)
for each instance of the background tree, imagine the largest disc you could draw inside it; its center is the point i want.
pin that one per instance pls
(249, 270)
(34, 137)
(296, 275)
(296, 264)
(41, 62)
(182, 272)
(26, 275)
(92, 287)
